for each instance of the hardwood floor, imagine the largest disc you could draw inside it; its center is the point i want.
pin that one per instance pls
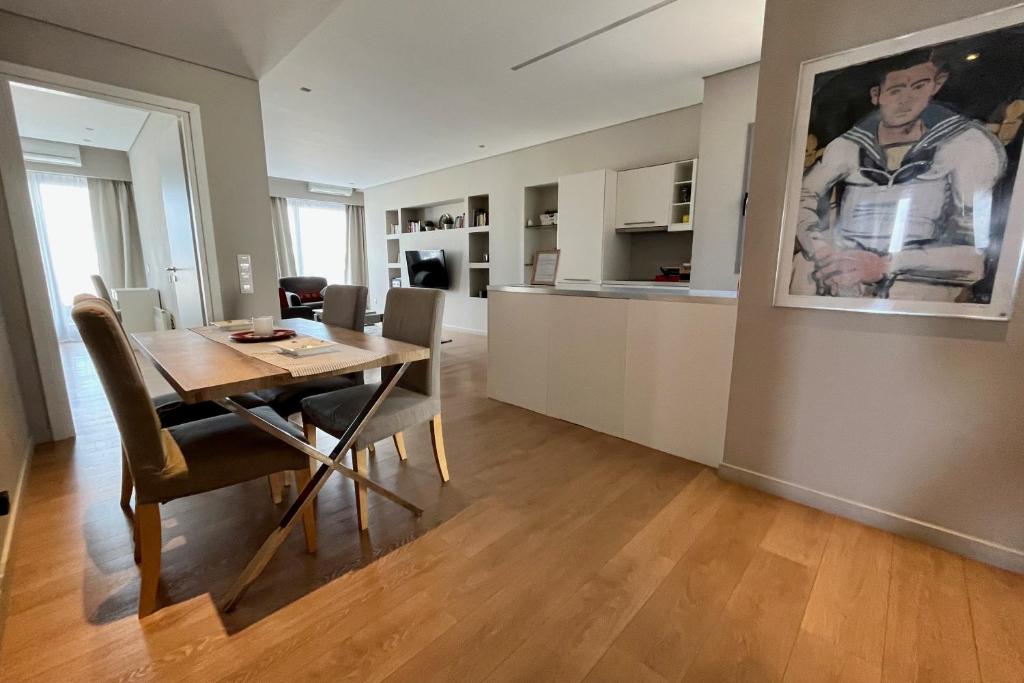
(555, 553)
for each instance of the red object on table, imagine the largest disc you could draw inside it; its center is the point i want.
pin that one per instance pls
(249, 337)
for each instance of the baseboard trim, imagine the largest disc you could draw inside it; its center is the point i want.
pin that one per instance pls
(5, 551)
(932, 534)
(466, 330)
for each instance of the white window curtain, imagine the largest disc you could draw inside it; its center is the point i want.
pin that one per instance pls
(319, 238)
(64, 224)
(116, 233)
(355, 265)
(282, 237)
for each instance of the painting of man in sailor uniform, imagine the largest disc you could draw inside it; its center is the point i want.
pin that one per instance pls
(907, 198)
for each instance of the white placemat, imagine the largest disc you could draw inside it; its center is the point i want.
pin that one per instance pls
(344, 357)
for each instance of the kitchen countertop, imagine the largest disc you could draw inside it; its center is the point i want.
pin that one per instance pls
(649, 292)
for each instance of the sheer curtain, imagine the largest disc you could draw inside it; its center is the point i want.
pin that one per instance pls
(355, 264)
(319, 235)
(64, 225)
(319, 238)
(116, 232)
(282, 237)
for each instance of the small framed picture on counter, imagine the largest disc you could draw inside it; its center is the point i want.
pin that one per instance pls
(545, 267)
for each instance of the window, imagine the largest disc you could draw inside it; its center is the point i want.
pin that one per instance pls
(319, 238)
(66, 239)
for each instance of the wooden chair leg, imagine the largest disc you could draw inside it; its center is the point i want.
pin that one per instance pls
(437, 438)
(135, 539)
(309, 429)
(400, 445)
(276, 481)
(148, 517)
(126, 483)
(360, 462)
(309, 515)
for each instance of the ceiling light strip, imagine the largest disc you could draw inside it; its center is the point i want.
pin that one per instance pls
(592, 34)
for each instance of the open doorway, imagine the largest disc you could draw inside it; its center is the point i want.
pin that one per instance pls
(113, 211)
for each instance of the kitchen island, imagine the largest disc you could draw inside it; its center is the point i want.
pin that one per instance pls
(650, 364)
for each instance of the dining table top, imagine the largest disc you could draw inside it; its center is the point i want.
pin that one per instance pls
(202, 369)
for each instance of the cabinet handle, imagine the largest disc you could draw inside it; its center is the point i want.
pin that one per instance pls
(638, 222)
(577, 279)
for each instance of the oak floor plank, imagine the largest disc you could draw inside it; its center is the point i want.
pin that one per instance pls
(997, 610)
(569, 643)
(928, 634)
(665, 635)
(842, 636)
(760, 623)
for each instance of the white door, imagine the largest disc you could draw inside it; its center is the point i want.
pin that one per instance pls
(581, 204)
(181, 269)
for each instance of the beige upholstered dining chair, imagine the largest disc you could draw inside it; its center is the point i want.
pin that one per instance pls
(413, 316)
(171, 411)
(344, 306)
(101, 288)
(191, 458)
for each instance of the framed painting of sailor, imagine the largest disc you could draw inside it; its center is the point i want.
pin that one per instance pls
(903, 192)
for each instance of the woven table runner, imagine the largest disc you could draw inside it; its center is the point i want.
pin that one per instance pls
(342, 358)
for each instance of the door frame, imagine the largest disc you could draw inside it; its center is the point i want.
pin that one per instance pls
(28, 255)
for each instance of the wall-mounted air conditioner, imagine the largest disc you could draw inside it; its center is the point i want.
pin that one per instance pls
(48, 152)
(337, 190)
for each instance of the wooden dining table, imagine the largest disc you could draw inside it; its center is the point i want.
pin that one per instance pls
(199, 368)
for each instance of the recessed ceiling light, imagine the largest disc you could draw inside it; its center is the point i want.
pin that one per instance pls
(89, 129)
(86, 140)
(305, 89)
(972, 56)
(481, 146)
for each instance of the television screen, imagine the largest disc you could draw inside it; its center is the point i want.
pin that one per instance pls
(427, 268)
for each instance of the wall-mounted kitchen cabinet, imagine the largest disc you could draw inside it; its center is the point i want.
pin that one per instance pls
(656, 198)
(589, 249)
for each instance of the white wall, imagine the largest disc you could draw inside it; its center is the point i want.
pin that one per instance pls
(15, 440)
(111, 164)
(730, 101)
(657, 139)
(149, 160)
(233, 149)
(232, 128)
(297, 189)
(909, 423)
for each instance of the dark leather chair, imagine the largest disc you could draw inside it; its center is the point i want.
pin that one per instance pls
(289, 311)
(304, 291)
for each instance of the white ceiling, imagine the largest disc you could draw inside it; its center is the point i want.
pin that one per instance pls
(244, 37)
(401, 87)
(62, 117)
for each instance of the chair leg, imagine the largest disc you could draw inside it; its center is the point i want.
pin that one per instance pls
(309, 515)
(400, 445)
(437, 438)
(136, 543)
(148, 517)
(276, 481)
(309, 429)
(361, 465)
(126, 483)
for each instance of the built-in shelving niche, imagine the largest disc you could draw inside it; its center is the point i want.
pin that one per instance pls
(407, 228)
(538, 200)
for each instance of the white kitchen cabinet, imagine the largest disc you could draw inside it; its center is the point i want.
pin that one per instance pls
(586, 361)
(586, 230)
(644, 197)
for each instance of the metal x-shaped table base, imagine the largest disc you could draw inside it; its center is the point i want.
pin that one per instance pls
(328, 465)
